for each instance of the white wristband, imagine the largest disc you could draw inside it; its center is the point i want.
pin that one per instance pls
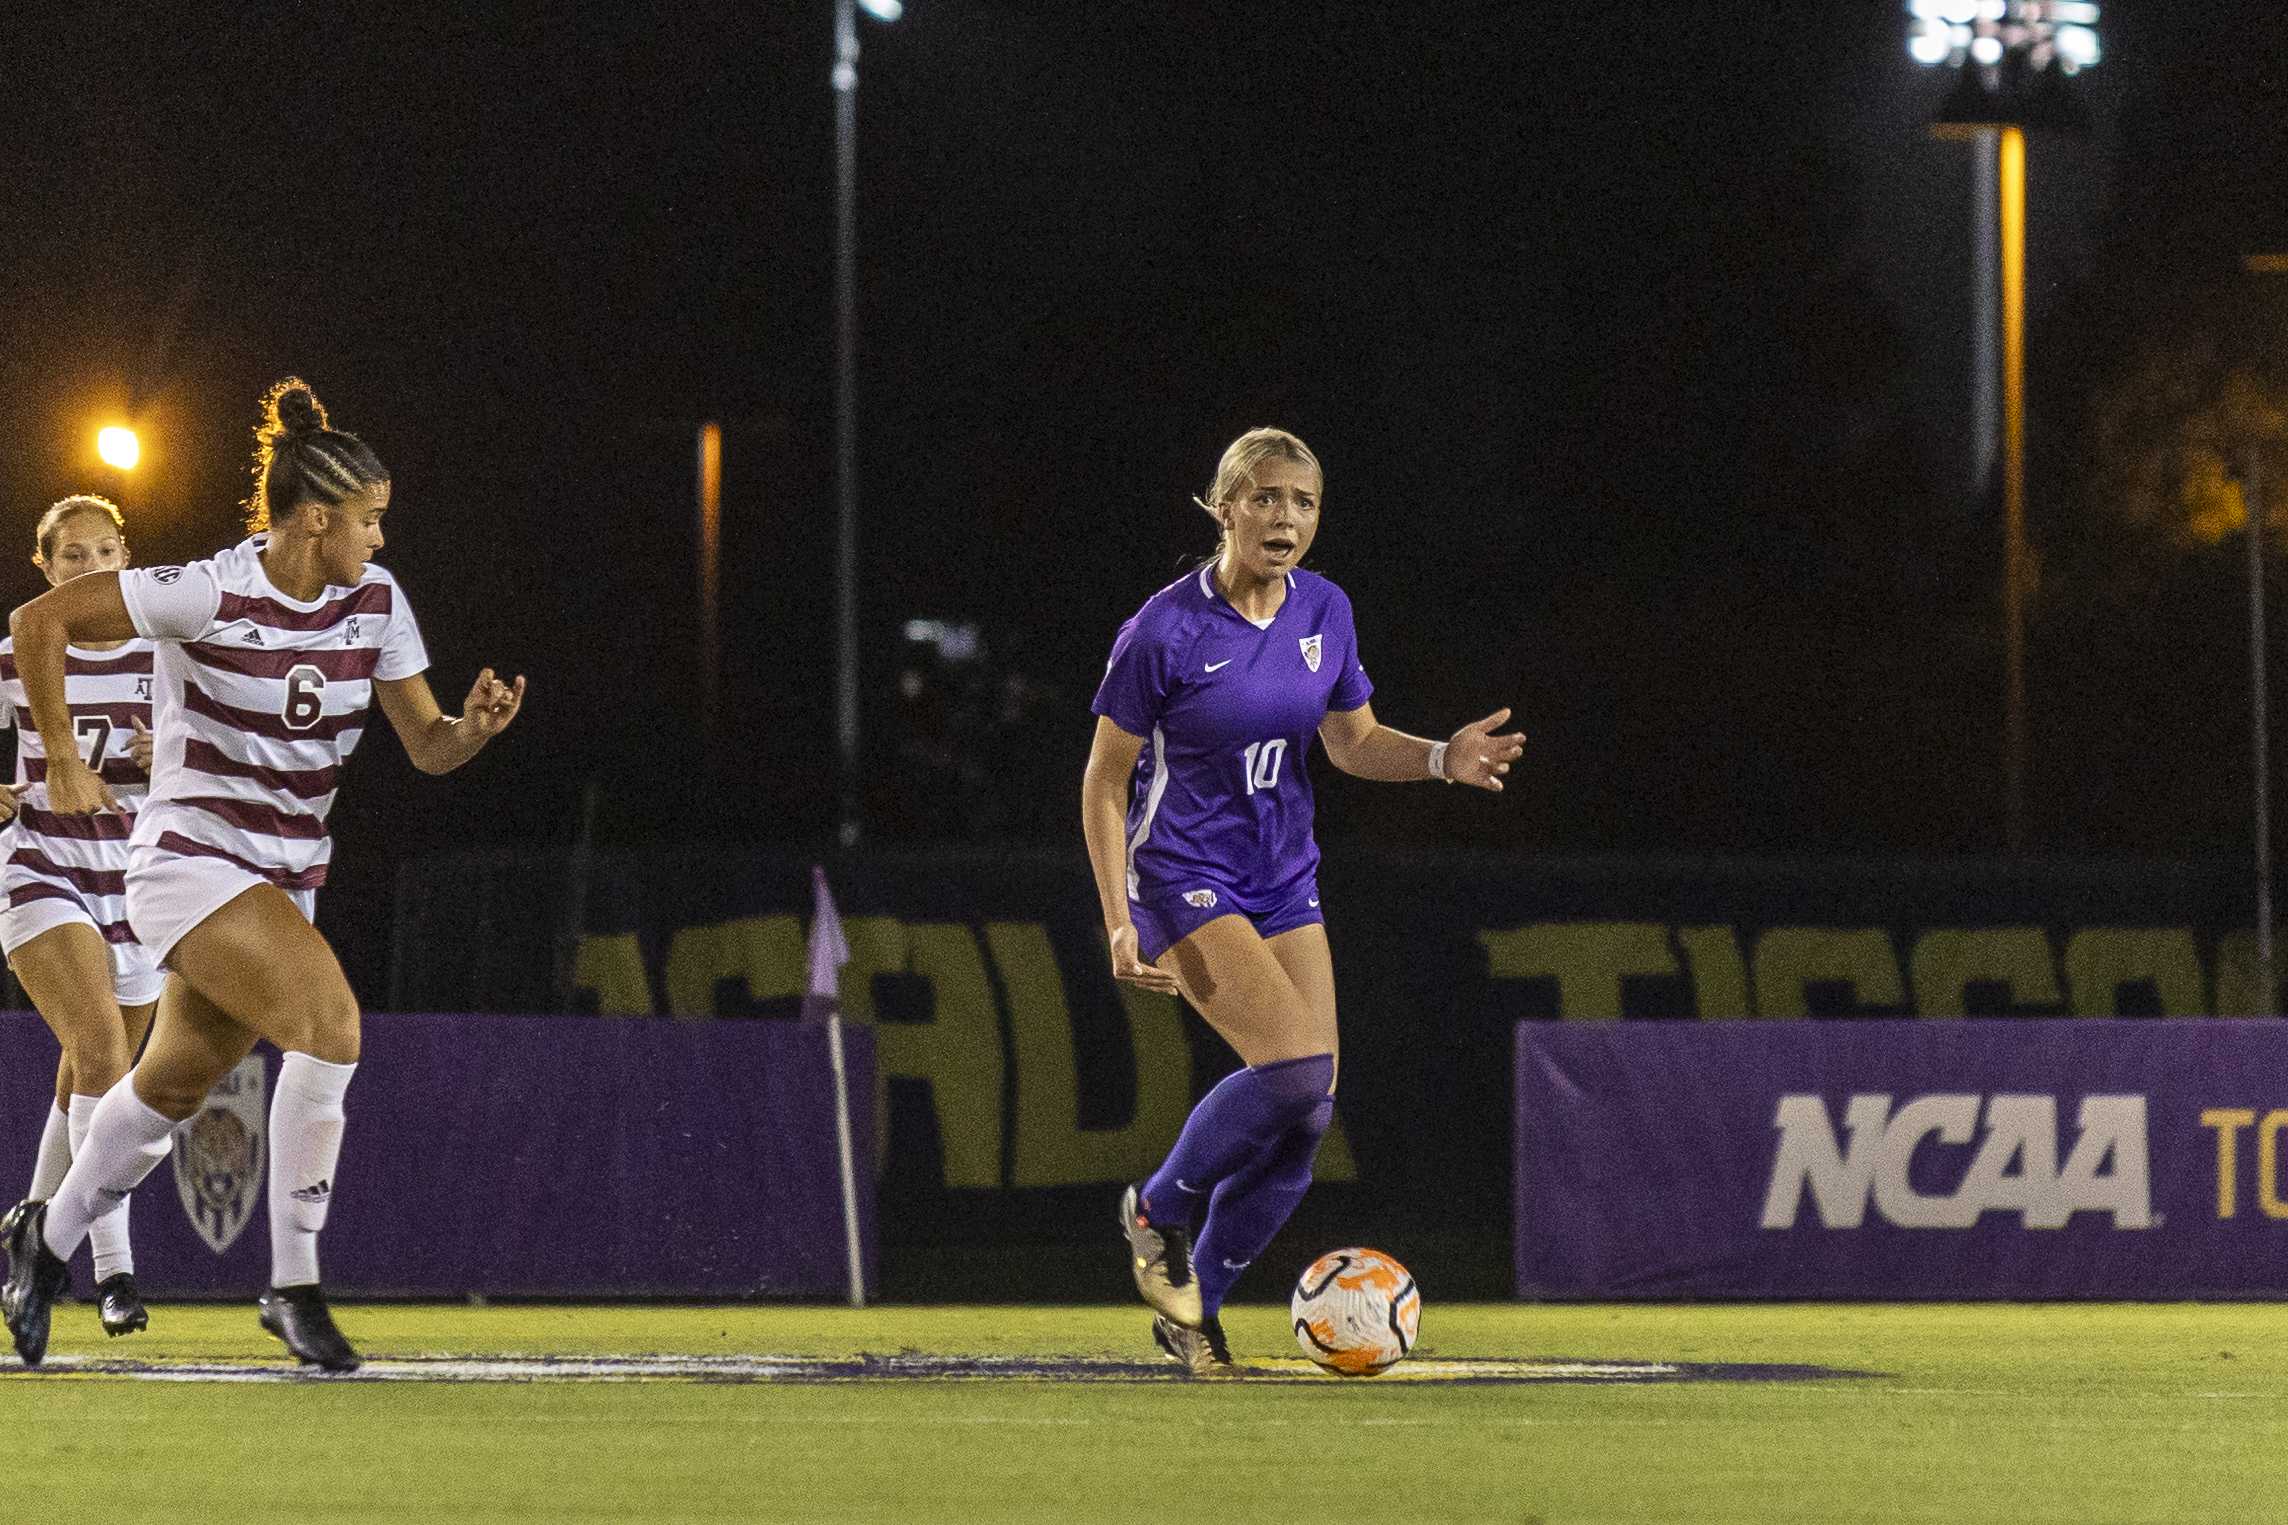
(1438, 762)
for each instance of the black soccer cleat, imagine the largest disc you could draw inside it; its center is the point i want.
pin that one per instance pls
(299, 1316)
(119, 1305)
(1203, 1352)
(36, 1278)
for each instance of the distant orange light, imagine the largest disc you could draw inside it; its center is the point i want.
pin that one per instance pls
(118, 447)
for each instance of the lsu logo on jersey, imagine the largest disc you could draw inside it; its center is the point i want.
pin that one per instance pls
(2013, 1169)
(1203, 899)
(1310, 645)
(218, 1156)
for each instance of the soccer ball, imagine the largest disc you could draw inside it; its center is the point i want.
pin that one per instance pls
(1356, 1312)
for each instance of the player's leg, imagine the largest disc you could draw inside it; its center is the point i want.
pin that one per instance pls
(54, 1157)
(258, 960)
(67, 972)
(1250, 1205)
(1237, 984)
(192, 1045)
(110, 1241)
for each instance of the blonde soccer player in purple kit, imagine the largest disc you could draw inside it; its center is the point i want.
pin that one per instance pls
(1197, 810)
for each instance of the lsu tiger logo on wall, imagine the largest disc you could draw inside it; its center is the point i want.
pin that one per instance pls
(219, 1155)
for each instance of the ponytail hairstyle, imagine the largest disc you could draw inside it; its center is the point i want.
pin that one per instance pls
(298, 460)
(51, 522)
(1236, 471)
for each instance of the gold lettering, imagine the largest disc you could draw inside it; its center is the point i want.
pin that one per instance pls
(1790, 958)
(958, 1052)
(2100, 960)
(763, 952)
(2228, 1121)
(1947, 960)
(1719, 974)
(612, 966)
(1589, 959)
(2240, 988)
(1052, 1148)
(2268, 1163)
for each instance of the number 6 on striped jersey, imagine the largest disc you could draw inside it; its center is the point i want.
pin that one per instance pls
(305, 686)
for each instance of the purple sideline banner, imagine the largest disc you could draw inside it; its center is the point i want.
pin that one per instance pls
(2027, 1158)
(541, 1156)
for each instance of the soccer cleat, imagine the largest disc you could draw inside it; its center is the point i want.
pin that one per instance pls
(36, 1278)
(1203, 1351)
(119, 1305)
(299, 1316)
(1162, 1262)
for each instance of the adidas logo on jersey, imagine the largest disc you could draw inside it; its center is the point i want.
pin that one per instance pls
(322, 1192)
(253, 637)
(1203, 899)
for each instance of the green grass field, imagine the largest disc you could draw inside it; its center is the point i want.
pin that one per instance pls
(2058, 1412)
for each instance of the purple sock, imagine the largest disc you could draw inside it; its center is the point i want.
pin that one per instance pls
(1233, 1124)
(1249, 1207)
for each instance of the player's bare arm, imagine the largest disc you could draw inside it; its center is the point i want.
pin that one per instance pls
(1362, 746)
(1103, 813)
(87, 609)
(437, 742)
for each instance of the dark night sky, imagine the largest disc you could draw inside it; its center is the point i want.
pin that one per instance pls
(1581, 306)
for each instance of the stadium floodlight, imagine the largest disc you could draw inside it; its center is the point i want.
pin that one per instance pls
(883, 10)
(2038, 36)
(118, 447)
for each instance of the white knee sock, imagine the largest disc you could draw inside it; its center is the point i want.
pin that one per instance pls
(54, 1157)
(124, 1140)
(107, 1231)
(305, 1142)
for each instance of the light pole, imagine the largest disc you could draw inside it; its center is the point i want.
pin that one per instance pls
(2251, 466)
(846, 401)
(2011, 57)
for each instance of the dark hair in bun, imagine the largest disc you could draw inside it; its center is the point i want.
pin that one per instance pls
(298, 459)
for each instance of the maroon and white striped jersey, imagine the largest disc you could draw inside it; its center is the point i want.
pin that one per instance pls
(261, 699)
(78, 858)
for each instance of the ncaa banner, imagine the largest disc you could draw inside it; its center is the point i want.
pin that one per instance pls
(513, 1156)
(1898, 1159)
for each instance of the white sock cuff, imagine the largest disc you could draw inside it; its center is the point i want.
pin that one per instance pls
(80, 1118)
(149, 1124)
(316, 1080)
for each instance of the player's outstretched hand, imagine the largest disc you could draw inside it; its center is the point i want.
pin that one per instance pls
(492, 704)
(1131, 970)
(11, 795)
(139, 745)
(76, 789)
(1478, 758)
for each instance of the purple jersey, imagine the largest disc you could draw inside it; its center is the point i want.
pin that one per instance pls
(1221, 796)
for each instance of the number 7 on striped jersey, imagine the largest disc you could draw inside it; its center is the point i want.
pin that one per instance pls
(95, 731)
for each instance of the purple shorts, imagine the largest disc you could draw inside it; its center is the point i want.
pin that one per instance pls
(1164, 923)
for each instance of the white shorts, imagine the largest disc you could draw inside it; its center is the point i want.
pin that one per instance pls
(135, 973)
(168, 894)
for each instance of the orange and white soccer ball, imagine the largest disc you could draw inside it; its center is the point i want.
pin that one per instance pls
(1356, 1312)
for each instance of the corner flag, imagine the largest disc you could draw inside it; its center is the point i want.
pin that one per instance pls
(829, 951)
